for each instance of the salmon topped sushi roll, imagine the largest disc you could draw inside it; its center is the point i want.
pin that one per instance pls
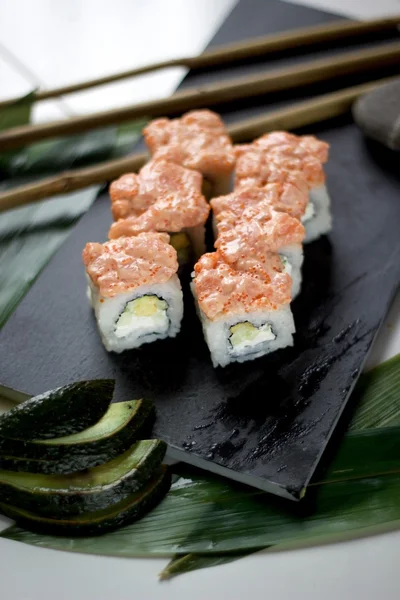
(248, 225)
(244, 308)
(302, 157)
(199, 141)
(163, 197)
(134, 290)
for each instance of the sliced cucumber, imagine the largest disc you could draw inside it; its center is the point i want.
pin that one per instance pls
(123, 423)
(90, 490)
(48, 467)
(244, 335)
(145, 306)
(145, 314)
(63, 411)
(125, 511)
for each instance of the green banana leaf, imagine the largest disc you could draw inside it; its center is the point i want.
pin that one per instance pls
(378, 397)
(211, 516)
(366, 453)
(54, 155)
(29, 237)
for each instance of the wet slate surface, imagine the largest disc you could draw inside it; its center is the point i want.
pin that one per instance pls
(270, 419)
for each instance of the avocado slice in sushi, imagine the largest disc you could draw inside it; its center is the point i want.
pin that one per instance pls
(132, 507)
(181, 243)
(246, 334)
(123, 423)
(89, 490)
(62, 411)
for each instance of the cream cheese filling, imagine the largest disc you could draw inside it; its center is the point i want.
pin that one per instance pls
(246, 335)
(144, 315)
(309, 213)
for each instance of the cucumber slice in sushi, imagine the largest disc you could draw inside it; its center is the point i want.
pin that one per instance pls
(94, 489)
(147, 313)
(132, 507)
(245, 335)
(62, 411)
(123, 423)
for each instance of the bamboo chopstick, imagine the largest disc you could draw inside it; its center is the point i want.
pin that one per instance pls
(300, 114)
(347, 63)
(230, 53)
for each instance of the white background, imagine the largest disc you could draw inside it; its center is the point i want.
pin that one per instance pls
(47, 43)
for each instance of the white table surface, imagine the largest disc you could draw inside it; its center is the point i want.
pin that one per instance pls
(32, 53)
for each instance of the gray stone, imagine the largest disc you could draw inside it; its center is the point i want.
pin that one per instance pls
(377, 113)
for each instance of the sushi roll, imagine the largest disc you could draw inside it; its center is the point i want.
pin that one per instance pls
(248, 225)
(163, 197)
(199, 141)
(134, 290)
(244, 308)
(279, 155)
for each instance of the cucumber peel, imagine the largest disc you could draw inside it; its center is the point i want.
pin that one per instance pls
(63, 411)
(89, 490)
(130, 508)
(122, 424)
(72, 463)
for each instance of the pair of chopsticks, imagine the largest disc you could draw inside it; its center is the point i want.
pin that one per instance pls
(299, 115)
(327, 106)
(230, 53)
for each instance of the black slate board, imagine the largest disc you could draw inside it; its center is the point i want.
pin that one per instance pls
(265, 423)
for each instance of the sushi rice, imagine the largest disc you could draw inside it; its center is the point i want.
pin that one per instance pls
(320, 221)
(292, 260)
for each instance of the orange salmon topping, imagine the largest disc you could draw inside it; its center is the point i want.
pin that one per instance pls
(248, 224)
(284, 197)
(249, 285)
(198, 140)
(268, 157)
(163, 197)
(125, 264)
(256, 233)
